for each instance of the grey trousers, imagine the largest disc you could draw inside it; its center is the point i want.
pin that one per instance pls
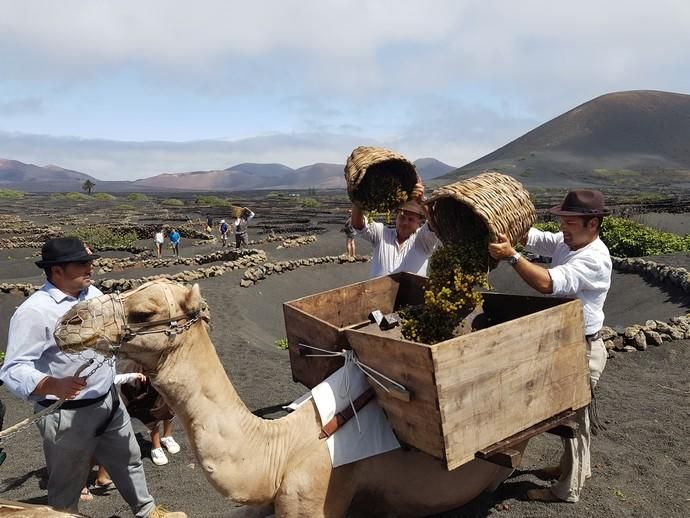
(70, 444)
(575, 461)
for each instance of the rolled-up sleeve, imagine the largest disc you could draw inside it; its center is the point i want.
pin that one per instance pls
(372, 232)
(580, 274)
(542, 243)
(427, 240)
(25, 344)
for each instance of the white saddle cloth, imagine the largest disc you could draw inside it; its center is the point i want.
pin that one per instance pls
(366, 434)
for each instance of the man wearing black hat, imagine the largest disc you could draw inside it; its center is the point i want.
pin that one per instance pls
(580, 267)
(91, 422)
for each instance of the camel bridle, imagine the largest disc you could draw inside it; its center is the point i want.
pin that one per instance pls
(126, 330)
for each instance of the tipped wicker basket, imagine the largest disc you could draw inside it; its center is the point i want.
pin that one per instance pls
(490, 202)
(377, 162)
(236, 211)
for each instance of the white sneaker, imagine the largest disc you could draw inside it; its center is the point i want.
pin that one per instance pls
(158, 457)
(170, 444)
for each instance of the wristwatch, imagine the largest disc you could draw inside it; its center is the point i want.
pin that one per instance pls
(513, 259)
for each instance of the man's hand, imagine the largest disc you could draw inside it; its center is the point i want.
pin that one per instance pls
(417, 192)
(63, 388)
(501, 249)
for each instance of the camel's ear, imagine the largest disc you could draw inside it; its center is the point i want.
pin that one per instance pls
(193, 299)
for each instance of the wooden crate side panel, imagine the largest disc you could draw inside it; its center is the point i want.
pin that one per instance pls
(348, 305)
(416, 422)
(303, 328)
(501, 380)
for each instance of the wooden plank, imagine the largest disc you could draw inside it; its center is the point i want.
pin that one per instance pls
(506, 458)
(498, 381)
(520, 437)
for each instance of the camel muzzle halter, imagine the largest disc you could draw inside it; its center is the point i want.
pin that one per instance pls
(126, 330)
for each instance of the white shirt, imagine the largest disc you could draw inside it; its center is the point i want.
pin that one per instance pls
(583, 273)
(388, 256)
(160, 239)
(32, 353)
(241, 227)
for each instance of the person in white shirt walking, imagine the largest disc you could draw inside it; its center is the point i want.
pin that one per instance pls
(405, 248)
(581, 267)
(241, 223)
(91, 422)
(159, 239)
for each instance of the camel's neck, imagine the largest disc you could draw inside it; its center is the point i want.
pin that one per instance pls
(242, 455)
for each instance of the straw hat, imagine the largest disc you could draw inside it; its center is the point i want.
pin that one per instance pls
(413, 206)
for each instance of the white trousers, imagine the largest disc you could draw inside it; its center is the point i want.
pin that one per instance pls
(575, 461)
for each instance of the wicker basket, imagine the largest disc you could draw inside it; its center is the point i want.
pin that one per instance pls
(367, 164)
(236, 211)
(490, 202)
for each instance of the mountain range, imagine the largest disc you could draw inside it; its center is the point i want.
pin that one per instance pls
(241, 177)
(633, 139)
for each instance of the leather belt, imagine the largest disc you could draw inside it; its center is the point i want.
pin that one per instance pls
(74, 403)
(593, 336)
(343, 417)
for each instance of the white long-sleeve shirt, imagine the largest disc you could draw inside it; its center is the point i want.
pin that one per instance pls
(583, 273)
(388, 256)
(32, 353)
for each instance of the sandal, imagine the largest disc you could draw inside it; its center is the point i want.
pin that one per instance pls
(85, 495)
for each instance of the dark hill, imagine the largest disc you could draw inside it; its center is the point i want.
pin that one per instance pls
(628, 139)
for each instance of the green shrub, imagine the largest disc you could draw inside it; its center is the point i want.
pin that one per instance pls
(281, 343)
(101, 237)
(310, 203)
(172, 202)
(125, 206)
(136, 196)
(626, 238)
(103, 196)
(76, 196)
(9, 194)
(213, 201)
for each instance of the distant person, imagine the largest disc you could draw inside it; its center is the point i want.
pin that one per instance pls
(175, 242)
(580, 267)
(350, 234)
(159, 240)
(91, 422)
(209, 223)
(223, 229)
(240, 225)
(405, 248)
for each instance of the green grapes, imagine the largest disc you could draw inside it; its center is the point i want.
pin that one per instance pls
(455, 271)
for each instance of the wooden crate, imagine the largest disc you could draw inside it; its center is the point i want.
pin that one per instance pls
(462, 395)
(320, 320)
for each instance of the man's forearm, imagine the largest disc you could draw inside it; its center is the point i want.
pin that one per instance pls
(534, 275)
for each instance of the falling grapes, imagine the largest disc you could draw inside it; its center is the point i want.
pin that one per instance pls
(456, 270)
(380, 191)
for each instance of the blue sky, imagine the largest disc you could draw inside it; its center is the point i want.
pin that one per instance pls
(123, 89)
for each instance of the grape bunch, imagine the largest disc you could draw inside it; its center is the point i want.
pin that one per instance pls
(456, 270)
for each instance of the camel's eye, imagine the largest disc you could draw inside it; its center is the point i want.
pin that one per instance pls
(139, 316)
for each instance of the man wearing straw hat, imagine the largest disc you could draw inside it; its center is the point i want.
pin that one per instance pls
(405, 248)
(581, 267)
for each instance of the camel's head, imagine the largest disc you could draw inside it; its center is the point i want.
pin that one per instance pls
(143, 324)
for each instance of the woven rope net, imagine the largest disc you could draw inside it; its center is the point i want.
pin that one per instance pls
(373, 176)
(490, 202)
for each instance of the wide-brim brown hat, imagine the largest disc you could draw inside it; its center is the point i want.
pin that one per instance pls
(413, 206)
(581, 202)
(62, 250)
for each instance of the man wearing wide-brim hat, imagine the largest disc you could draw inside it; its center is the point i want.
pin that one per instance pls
(405, 248)
(580, 267)
(90, 422)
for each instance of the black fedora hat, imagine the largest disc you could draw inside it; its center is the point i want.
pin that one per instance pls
(581, 202)
(61, 250)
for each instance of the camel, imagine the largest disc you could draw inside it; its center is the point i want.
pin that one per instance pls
(279, 465)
